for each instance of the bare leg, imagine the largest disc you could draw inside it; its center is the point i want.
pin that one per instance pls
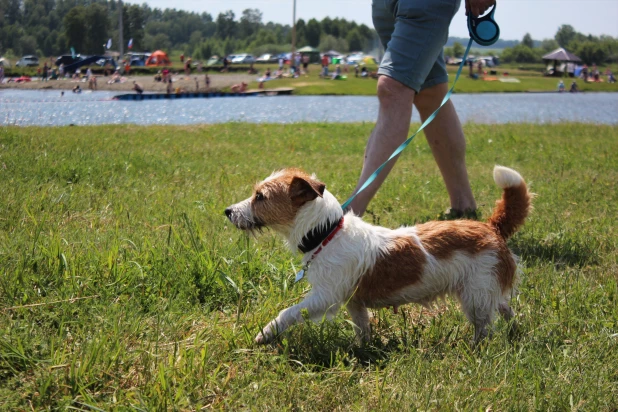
(360, 317)
(391, 130)
(448, 144)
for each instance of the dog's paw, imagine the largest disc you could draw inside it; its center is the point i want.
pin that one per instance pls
(260, 339)
(266, 335)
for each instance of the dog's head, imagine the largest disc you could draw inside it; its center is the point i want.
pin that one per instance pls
(276, 201)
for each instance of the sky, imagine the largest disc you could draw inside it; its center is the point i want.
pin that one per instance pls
(540, 18)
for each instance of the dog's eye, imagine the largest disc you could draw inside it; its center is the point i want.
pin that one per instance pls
(259, 196)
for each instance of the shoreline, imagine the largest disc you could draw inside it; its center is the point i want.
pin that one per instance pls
(217, 81)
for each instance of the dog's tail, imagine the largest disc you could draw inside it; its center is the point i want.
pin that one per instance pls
(513, 208)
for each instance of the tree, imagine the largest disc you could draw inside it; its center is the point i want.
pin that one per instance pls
(519, 54)
(355, 40)
(329, 42)
(27, 45)
(96, 28)
(159, 42)
(133, 22)
(565, 34)
(527, 41)
(458, 49)
(549, 45)
(250, 22)
(226, 26)
(300, 32)
(313, 32)
(74, 23)
(590, 52)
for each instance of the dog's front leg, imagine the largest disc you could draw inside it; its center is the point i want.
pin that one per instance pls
(316, 307)
(360, 317)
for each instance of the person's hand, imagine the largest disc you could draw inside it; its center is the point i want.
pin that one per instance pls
(478, 7)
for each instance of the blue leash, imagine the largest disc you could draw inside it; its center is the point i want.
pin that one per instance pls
(483, 30)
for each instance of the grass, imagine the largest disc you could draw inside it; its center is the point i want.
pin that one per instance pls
(122, 286)
(530, 81)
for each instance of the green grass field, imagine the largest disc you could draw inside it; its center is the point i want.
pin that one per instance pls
(122, 286)
(530, 81)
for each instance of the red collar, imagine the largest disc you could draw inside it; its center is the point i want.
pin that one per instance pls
(328, 238)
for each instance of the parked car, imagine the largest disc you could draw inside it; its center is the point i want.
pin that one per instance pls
(243, 59)
(137, 59)
(214, 60)
(67, 59)
(28, 61)
(267, 58)
(106, 60)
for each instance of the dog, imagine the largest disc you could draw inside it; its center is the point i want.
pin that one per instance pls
(353, 263)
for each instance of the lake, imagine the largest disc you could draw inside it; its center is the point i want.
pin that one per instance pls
(48, 108)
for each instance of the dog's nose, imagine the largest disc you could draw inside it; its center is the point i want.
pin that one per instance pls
(228, 212)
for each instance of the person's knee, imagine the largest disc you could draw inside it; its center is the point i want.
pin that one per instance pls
(430, 98)
(393, 92)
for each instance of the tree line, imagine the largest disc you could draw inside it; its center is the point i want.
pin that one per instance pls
(591, 49)
(52, 27)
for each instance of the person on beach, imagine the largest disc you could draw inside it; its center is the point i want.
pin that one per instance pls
(138, 87)
(239, 88)
(413, 73)
(325, 63)
(207, 80)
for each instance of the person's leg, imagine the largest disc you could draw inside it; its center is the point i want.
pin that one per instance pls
(391, 131)
(413, 33)
(448, 145)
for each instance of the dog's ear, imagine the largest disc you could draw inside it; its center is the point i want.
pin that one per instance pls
(303, 191)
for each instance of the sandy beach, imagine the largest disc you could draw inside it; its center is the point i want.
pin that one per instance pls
(217, 81)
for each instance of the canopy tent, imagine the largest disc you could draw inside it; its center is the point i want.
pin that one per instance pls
(562, 55)
(158, 58)
(332, 53)
(369, 60)
(308, 49)
(313, 53)
(567, 62)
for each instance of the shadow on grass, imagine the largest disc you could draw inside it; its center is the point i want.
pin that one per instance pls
(332, 344)
(559, 248)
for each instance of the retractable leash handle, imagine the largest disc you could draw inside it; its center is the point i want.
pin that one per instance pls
(483, 30)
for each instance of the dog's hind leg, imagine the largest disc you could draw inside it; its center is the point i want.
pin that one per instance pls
(360, 318)
(508, 315)
(478, 309)
(316, 306)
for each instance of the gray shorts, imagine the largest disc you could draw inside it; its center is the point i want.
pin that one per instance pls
(413, 33)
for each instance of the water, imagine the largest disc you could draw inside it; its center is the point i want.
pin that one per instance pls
(48, 108)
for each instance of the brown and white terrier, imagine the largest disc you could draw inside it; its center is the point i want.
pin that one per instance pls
(365, 266)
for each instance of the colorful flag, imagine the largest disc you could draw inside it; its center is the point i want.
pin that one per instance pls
(109, 44)
(130, 45)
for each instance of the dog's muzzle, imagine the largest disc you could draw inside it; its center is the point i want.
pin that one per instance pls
(241, 221)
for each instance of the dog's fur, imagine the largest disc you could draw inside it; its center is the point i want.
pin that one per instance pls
(367, 266)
